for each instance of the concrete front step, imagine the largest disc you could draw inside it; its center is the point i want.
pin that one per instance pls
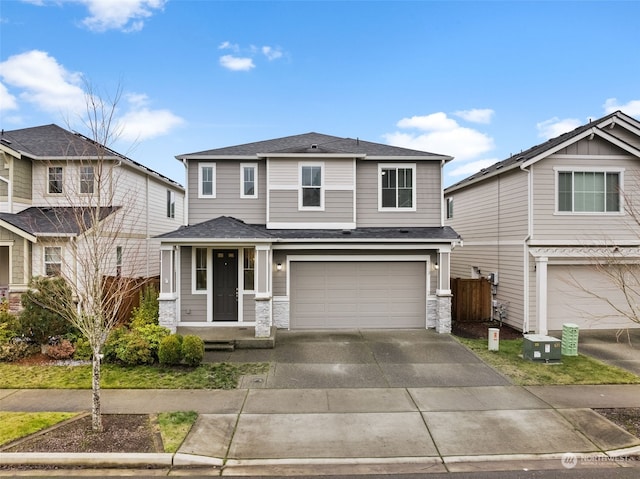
(219, 345)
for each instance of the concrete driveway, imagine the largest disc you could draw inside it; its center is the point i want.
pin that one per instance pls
(367, 359)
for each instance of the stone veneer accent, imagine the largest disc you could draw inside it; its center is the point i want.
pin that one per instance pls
(281, 313)
(167, 315)
(263, 317)
(443, 321)
(432, 312)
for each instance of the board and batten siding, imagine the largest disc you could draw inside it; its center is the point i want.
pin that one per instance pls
(193, 307)
(582, 227)
(428, 196)
(227, 201)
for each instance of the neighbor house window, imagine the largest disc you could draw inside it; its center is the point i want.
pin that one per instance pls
(200, 269)
(248, 181)
(87, 179)
(118, 260)
(207, 181)
(55, 180)
(397, 187)
(311, 194)
(589, 191)
(249, 268)
(171, 204)
(52, 260)
(449, 208)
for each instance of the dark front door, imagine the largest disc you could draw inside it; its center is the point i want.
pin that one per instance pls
(225, 285)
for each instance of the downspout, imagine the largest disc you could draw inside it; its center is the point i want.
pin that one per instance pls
(146, 226)
(185, 213)
(525, 251)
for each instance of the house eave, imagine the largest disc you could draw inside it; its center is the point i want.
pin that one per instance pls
(18, 231)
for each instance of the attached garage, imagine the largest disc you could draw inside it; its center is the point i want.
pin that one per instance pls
(571, 299)
(358, 294)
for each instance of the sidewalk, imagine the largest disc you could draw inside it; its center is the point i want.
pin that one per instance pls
(400, 425)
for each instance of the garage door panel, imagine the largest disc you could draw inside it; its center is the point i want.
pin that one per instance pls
(358, 295)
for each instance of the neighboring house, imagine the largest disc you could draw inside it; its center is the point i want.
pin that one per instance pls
(50, 179)
(309, 232)
(540, 222)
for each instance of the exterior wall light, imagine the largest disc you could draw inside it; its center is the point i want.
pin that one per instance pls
(279, 266)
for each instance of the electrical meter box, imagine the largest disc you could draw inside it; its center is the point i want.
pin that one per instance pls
(537, 347)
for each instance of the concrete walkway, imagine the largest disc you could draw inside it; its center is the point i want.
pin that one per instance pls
(380, 402)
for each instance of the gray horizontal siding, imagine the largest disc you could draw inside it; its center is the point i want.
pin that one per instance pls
(283, 208)
(193, 307)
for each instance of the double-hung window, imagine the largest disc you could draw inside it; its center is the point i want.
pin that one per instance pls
(397, 187)
(52, 260)
(248, 180)
(449, 208)
(588, 191)
(171, 204)
(207, 180)
(87, 179)
(311, 187)
(249, 268)
(200, 269)
(54, 185)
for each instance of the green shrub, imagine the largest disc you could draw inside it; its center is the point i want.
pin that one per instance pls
(113, 342)
(192, 350)
(63, 350)
(147, 312)
(134, 349)
(83, 351)
(154, 334)
(15, 350)
(170, 350)
(40, 318)
(9, 325)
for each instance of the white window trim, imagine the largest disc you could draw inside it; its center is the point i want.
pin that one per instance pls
(449, 208)
(80, 182)
(255, 180)
(573, 169)
(322, 181)
(44, 258)
(171, 204)
(382, 166)
(241, 257)
(193, 270)
(201, 166)
(47, 183)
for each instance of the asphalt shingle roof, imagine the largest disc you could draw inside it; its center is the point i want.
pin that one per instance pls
(226, 227)
(56, 220)
(313, 143)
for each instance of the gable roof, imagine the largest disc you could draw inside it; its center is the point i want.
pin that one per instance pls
(312, 144)
(54, 221)
(229, 228)
(51, 142)
(537, 152)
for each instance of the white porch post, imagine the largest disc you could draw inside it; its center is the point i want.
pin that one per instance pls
(541, 294)
(443, 292)
(263, 294)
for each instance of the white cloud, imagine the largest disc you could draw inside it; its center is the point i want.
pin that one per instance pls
(233, 63)
(7, 100)
(271, 53)
(555, 127)
(44, 82)
(476, 115)
(143, 124)
(631, 108)
(441, 135)
(471, 167)
(229, 46)
(125, 15)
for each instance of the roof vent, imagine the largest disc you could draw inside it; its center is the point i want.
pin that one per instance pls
(404, 231)
(314, 146)
(346, 232)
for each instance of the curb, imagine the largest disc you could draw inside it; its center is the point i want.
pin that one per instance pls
(85, 459)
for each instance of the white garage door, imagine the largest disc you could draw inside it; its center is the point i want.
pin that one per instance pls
(330, 295)
(571, 299)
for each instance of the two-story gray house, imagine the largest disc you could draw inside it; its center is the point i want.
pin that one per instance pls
(552, 225)
(309, 232)
(50, 179)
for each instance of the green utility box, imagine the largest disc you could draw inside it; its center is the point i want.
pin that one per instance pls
(537, 347)
(570, 339)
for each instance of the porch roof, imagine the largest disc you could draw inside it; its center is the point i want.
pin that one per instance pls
(229, 228)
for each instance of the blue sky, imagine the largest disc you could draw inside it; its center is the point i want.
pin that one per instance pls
(475, 80)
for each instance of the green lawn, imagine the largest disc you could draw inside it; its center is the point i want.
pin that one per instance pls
(14, 425)
(174, 427)
(572, 370)
(205, 376)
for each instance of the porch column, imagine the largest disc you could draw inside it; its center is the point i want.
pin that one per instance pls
(263, 293)
(168, 298)
(541, 295)
(443, 292)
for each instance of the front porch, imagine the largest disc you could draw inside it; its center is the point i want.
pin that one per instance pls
(230, 338)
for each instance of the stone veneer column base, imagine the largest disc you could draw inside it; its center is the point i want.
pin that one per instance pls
(281, 313)
(432, 312)
(263, 317)
(443, 320)
(168, 314)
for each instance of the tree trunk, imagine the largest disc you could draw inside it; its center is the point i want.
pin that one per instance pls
(96, 409)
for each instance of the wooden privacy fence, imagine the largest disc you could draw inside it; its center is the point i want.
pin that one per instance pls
(471, 299)
(133, 289)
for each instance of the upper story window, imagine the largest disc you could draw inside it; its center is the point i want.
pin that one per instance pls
(589, 191)
(171, 204)
(118, 261)
(87, 179)
(248, 180)
(52, 260)
(449, 208)
(397, 187)
(311, 187)
(54, 185)
(207, 180)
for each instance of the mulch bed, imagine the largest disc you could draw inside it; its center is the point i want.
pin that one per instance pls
(480, 330)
